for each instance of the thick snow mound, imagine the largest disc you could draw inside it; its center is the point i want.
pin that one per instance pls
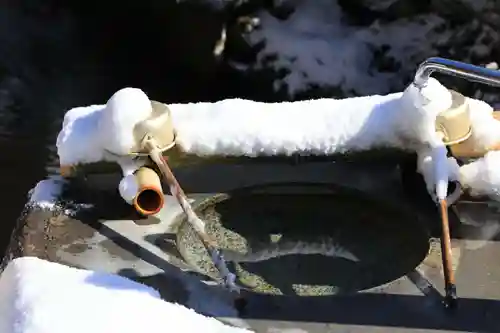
(44, 297)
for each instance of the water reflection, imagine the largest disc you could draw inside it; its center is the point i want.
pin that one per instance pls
(329, 242)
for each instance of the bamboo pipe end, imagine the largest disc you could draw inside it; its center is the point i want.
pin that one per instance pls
(66, 171)
(149, 201)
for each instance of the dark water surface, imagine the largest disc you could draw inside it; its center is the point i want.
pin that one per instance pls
(307, 245)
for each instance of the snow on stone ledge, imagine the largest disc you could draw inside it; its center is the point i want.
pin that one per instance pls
(40, 296)
(45, 194)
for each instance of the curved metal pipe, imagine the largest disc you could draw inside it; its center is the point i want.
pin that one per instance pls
(455, 68)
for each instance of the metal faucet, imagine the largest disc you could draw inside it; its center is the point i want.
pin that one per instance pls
(455, 68)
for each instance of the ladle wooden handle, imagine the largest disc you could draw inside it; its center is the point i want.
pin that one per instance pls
(447, 257)
(197, 224)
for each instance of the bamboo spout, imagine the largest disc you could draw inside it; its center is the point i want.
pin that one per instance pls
(149, 199)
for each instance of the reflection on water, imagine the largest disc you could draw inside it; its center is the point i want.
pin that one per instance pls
(307, 244)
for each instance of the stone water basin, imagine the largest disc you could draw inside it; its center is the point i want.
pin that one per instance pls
(345, 231)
